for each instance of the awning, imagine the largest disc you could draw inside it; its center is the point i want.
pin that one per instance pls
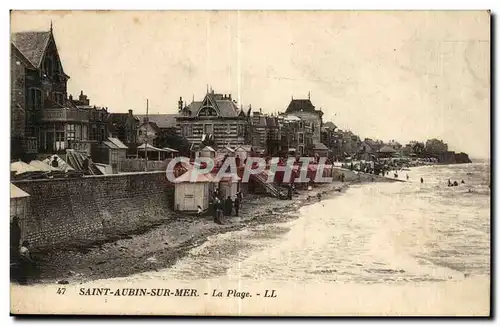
(16, 192)
(149, 148)
(61, 164)
(21, 167)
(170, 150)
(42, 166)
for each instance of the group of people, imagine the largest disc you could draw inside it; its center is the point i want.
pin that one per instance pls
(454, 183)
(224, 207)
(20, 258)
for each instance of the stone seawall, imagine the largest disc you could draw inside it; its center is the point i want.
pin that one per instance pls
(80, 211)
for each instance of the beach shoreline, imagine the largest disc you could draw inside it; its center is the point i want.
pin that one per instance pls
(159, 246)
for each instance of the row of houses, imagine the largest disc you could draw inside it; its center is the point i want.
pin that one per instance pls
(47, 120)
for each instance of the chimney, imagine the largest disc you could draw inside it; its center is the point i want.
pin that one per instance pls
(179, 104)
(230, 97)
(83, 98)
(70, 97)
(130, 112)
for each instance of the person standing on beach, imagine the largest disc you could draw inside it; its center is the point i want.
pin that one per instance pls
(237, 205)
(15, 237)
(26, 263)
(239, 196)
(407, 177)
(228, 206)
(421, 180)
(218, 210)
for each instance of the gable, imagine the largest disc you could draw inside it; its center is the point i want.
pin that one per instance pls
(51, 50)
(208, 107)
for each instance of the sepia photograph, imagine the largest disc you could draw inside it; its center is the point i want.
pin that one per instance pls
(250, 163)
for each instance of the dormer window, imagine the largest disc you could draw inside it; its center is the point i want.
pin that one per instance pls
(207, 112)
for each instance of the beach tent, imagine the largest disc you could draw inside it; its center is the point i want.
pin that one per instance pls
(189, 195)
(207, 151)
(19, 206)
(42, 166)
(229, 185)
(61, 164)
(20, 168)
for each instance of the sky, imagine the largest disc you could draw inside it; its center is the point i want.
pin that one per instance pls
(388, 75)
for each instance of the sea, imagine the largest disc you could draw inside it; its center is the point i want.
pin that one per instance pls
(400, 232)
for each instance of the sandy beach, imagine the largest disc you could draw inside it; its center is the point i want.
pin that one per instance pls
(159, 246)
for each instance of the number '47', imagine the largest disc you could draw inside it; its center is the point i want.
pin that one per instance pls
(61, 291)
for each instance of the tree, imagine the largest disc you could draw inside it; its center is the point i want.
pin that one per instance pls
(172, 140)
(417, 147)
(435, 146)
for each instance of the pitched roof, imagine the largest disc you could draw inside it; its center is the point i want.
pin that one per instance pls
(119, 118)
(197, 178)
(118, 143)
(32, 45)
(227, 108)
(387, 149)
(18, 54)
(153, 125)
(194, 107)
(161, 120)
(300, 105)
(271, 121)
(330, 125)
(259, 119)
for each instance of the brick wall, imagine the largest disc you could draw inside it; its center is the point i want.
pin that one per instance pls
(80, 211)
(138, 165)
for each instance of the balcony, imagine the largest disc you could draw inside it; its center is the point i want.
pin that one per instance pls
(65, 115)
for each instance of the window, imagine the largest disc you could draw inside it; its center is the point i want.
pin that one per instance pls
(93, 133)
(78, 132)
(71, 132)
(301, 125)
(301, 150)
(84, 132)
(34, 98)
(103, 134)
(208, 128)
(187, 130)
(207, 112)
(241, 130)
(301, 138)
(60, 141)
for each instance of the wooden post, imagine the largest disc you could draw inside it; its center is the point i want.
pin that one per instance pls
(146, 143)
